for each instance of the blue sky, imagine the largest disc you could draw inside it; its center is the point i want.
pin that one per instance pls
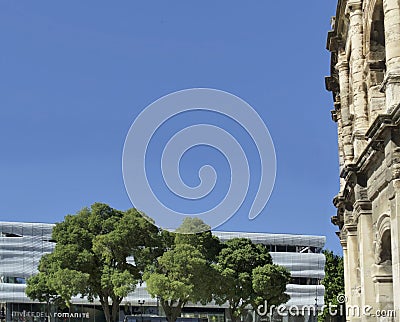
(74, 75)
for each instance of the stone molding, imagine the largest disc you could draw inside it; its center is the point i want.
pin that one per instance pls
(391, 77)
(382, 273)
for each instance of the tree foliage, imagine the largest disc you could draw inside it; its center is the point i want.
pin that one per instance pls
(183, 273)
(195, 232)
(333, 281)
(247, 277)
(100, 253)
(103, 253)
(269, 284)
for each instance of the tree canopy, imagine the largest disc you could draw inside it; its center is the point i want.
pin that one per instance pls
(247, 277)
(195, 232)
(183, 273)
(333, 281)
(100, 253)
(103, 253)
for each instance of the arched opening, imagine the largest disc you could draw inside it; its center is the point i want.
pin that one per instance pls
(386, 247)
(376, 61)
(383, 250)
(382, 275)
(377, 36)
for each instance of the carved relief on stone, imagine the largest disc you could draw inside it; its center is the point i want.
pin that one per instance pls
(377, 252)
(396, 163)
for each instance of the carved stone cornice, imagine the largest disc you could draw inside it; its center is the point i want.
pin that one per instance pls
(361, 208)
(375, 136)
(350, 229)
(382, 273)
(376, 128)
(396, 163)
(332, 42)
(353, 6)
(378, 145)
(343, 241)
(334, 115)
(340, 203)
(391, 77)
(335, 220)
(331, 84)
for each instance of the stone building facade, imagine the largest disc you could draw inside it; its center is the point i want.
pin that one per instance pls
(365, 82)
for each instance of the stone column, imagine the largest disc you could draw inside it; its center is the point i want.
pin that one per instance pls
(392, 42)
(353, 299)
(366, 255)
(392, 155)
(395, 238)
(347, 289)
(347, 126)
(354, 8)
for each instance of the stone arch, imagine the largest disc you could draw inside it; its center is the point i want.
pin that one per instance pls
(376, 58)
(377, 32)
(383, 251)
(383, 274)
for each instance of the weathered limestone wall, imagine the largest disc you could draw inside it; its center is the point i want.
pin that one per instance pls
(365, 83)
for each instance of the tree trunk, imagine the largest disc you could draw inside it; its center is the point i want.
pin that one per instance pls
(115, 310)
(172, 312)
(106, 309)
(107, 315)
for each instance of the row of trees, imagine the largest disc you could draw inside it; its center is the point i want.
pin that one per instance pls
(104, 253)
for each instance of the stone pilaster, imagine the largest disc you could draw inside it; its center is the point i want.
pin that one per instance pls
(347, 289)
(395, 238)
(353, 282)
(391, 87)
(354, 9)
(392, 44)
(363, 210)
(347, 127)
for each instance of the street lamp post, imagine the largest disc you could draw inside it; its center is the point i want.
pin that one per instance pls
(141, 302)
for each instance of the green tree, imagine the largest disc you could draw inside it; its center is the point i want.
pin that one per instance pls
(269, 284)
(182, 274)
(39, 288)
(193, 231)
(333, 282)
(247, 277)
(192, 225)
(100, 253)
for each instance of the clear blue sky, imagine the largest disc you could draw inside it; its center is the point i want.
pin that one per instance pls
(75, 74)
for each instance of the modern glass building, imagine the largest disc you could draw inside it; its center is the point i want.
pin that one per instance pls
(23, 244)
